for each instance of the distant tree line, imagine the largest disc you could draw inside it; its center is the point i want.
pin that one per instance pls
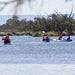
(54, 23)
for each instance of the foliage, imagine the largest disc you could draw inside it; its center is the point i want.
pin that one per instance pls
(39, 34)
(52, 34)
(58, 23)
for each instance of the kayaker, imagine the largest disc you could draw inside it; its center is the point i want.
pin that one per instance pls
(60, 37)
(6, 39)
(45, 38)
(68, 37)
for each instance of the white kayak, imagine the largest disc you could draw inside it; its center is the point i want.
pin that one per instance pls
(63, 40)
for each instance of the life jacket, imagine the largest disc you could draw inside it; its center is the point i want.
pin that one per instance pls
(68, 37)
(6, 40)
(60, 37)
(45, 38)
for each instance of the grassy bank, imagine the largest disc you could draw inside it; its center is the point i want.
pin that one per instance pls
(48, 33)
(35, 34)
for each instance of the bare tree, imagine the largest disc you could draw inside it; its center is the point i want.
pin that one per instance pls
(18, 3)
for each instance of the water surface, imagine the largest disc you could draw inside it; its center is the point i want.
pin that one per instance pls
(31, 50)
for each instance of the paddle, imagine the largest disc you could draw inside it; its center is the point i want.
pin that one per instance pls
(14, 39)
(39, 40)
(12, 42)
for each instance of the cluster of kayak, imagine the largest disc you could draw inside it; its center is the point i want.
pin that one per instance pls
(63, 40)
(44, 39)
(47, 39)
(59, 40)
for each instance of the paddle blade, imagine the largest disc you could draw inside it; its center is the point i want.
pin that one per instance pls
(15, 39)
(38, 40)
(12, 42)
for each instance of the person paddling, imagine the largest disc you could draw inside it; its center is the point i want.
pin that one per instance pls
(45, 38)
(6, 39)
(68, 37)
(60, 37)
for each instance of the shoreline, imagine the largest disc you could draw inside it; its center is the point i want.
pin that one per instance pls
(34, 34)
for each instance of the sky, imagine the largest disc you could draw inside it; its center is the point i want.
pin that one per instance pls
(37, 7)
(40, 7)
(4, 18)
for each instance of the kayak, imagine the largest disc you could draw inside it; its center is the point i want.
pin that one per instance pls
(62, 40)
(46, 41)
(66, 40)
(7, 43)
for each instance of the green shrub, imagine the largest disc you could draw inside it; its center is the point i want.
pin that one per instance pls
(52, 34)
(39, 34)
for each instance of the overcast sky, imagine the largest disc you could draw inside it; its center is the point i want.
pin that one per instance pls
(40, 7)
(37, 7)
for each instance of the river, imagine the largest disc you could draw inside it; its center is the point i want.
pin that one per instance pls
(30, 50)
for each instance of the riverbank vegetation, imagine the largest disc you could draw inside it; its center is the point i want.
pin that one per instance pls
(52, 25)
